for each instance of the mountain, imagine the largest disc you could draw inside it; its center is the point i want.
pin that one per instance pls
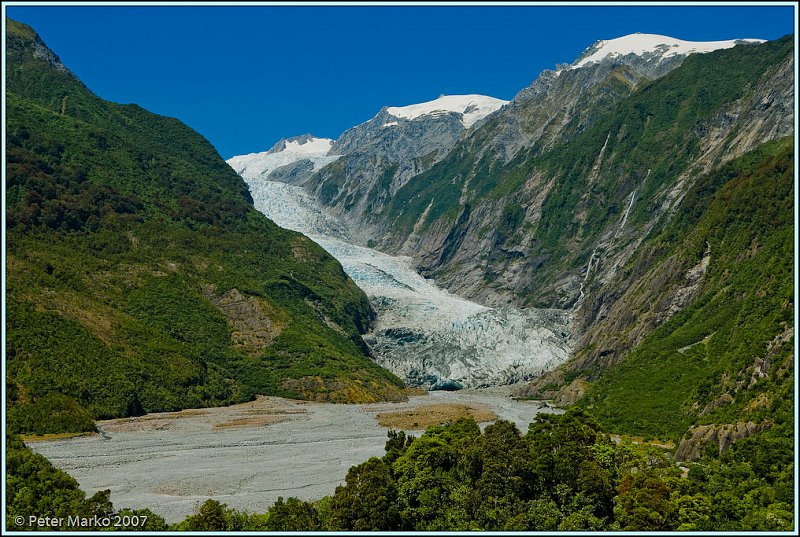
(382, 154)
(650, 54)
(290, 160)
(644, 195)
(371, 161)
(556, 202)
(579, 223)
(575, 195)
(139, 276)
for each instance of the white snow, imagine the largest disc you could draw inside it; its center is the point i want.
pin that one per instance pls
(471, 107)
(642, 43)
(259, 165)
(314, 146)
(390, 124)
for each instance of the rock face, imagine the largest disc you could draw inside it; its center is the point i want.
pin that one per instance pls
(382, 154)
(699, 438)
(252, 329)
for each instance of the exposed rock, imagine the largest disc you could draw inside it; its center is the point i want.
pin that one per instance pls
(747, 377)
(379, 159)
(762, 401)
(545, 386)
(724, 399)
(295, 173)
(569, 394)
(251, 319)
(698, 438)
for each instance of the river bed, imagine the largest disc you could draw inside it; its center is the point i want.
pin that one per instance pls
(244, 455)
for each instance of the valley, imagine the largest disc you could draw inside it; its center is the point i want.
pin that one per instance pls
(609, 254)
(245, 455)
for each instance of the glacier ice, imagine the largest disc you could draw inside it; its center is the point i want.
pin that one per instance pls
(424, 333)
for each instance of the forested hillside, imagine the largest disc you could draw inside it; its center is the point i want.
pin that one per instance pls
(139, 276)
(726, 357)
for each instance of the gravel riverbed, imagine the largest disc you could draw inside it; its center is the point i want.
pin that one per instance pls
(244, 455)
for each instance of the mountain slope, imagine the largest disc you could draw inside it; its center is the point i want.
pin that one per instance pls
(721, 274)
(552, 207)
(380, 155)
(139, 276)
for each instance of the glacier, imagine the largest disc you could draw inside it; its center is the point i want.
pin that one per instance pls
(423, 333)
(284, 153)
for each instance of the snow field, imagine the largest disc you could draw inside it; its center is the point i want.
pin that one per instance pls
(643, 43)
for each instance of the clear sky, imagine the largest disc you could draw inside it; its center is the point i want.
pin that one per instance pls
(246, 76)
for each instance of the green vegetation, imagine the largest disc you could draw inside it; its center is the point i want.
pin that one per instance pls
(128, 240)
(655, 129)
(133, 251)
(35, 488)
(743, 214)
(650, 139)
(565, 474)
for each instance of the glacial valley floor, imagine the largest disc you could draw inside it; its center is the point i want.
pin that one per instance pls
(245, 455)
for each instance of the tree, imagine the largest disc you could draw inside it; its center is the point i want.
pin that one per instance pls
(368, 500)
(645, 503)
(292, 515)
(214, 516)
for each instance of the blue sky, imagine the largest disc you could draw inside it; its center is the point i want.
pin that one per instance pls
(246, 76)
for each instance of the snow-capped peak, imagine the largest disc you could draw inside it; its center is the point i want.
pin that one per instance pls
(303, 145)
(641, 44)
(285, 152)
(471, 107)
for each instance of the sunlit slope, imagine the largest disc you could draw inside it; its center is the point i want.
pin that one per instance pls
(728, 356)
(139, 276)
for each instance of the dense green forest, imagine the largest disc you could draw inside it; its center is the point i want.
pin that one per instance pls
(565, 474)
(733, 345)
(140, 278)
